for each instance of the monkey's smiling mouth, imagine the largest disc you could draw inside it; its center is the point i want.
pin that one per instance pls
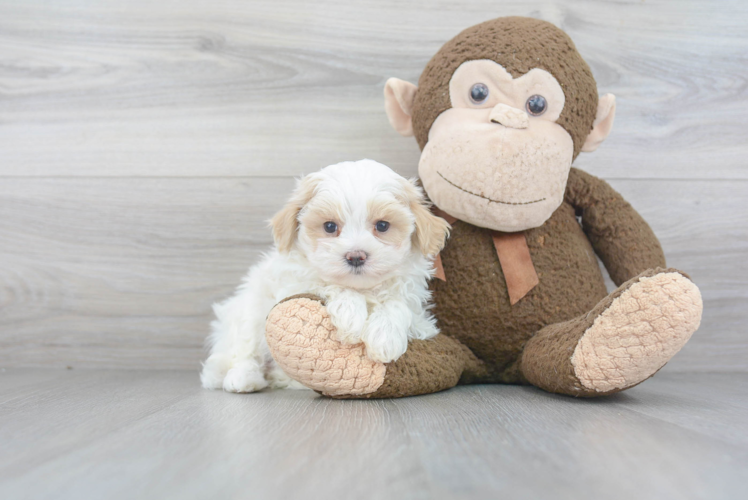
(486, 197)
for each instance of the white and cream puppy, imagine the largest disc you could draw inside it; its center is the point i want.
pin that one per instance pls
(358, 235)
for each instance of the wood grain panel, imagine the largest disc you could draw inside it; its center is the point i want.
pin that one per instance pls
(122, 272)
(124, 262)
(234, 88)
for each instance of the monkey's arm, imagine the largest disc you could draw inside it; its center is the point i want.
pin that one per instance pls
(620, 236)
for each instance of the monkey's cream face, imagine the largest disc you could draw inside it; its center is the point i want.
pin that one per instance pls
(498, 159)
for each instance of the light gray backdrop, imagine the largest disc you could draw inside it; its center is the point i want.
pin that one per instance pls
(143, 145)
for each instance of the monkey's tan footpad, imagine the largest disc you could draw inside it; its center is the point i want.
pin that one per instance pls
(638, 333)
(302, 341)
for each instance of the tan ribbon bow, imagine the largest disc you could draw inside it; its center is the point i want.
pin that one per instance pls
(514, 257)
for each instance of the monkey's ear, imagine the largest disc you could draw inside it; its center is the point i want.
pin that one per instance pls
(603, 124)
(399, 96)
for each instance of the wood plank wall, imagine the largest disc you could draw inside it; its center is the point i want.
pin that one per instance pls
(144, 144)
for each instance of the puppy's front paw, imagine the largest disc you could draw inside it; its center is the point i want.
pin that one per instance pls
(244, 377)
(214, 371)
(384, 337)
(348, 314)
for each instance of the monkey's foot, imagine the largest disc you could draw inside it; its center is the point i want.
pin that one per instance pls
(302, 341)
(623, 341)
(638, 333)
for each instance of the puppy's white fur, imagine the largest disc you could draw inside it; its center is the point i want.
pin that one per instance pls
(383, 303)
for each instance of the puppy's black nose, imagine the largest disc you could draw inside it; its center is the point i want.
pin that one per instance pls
(356, 259)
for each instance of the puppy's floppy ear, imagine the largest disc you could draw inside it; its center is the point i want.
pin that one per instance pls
(285, 223)
(431, 231)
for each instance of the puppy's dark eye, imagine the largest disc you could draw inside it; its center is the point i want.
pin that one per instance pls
(331, 227)
(536, 105)
(478, 93)
(383, 226)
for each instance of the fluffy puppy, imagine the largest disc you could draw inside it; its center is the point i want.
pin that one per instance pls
(356, 234)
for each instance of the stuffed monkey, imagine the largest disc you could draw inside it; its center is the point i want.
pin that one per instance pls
(500, 113)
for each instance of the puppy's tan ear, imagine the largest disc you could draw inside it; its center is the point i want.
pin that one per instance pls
(285, 223)
(431, 231)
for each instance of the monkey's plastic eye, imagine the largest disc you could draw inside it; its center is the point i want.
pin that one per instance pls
(331, 227)
(478, 93)
(383, 226)
(536, 105)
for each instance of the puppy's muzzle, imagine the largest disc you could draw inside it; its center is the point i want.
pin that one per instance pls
(356, 259)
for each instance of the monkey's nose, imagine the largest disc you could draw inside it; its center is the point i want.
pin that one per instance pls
(356, 259)
(509, 116)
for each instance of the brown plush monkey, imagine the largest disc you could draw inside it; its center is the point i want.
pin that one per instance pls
(500, 113)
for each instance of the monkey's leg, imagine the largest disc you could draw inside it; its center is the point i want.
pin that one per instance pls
(623, 341)
(302, 342)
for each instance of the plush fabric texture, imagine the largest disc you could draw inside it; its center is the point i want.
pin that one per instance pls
(625, 339)
(510, 117)
(638, 333)
(513, 95)
(473, 304)
(494, 176)
(519, 44)
(516, 264)
(301, 340)
(427, 366)
(514, 257)
(623, 240)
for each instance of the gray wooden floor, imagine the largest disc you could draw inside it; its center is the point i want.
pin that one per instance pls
(156, 435)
